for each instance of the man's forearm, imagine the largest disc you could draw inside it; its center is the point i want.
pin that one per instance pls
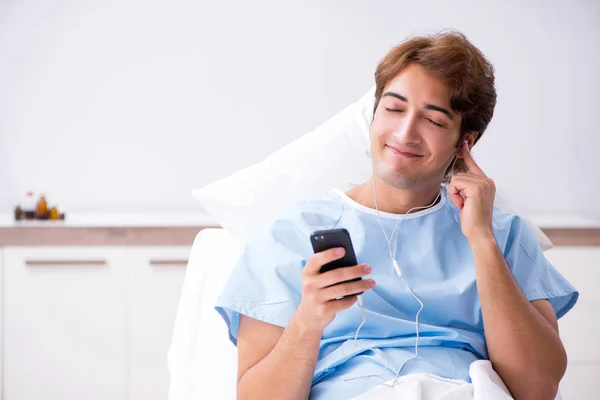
(287, 371)
(524, 348)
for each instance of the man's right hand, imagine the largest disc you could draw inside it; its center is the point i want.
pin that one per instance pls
(322, 292)
(277, 362)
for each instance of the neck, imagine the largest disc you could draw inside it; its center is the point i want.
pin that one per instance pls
(391, 199)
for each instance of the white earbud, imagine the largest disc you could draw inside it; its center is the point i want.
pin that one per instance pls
(397, 268)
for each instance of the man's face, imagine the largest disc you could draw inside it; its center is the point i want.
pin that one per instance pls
(414, 131)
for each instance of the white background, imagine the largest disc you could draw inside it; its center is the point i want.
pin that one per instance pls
(128, 105)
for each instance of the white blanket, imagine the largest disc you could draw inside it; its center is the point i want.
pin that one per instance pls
(486, 385)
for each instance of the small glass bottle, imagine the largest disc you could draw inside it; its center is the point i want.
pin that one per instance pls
(54, 214)
(18, 213)
(28, 206)
(41, 209)
(61, 212)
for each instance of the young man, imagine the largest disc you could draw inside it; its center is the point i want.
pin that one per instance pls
(486, 289)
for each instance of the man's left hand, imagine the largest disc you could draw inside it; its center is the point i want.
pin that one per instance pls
(473, 193)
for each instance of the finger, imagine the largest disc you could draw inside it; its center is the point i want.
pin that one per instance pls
(470, 185)
(317, 260)
(468, 182)
(470, 162)
(455, 193)
(346, 289)
(341, 304)
(342, 274)
(470, 177)
(458, 201)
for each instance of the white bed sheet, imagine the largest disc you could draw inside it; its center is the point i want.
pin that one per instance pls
(202, 361)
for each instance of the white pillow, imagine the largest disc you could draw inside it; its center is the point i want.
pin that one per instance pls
(334, 155)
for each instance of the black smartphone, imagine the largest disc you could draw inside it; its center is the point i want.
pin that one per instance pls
(327, 239)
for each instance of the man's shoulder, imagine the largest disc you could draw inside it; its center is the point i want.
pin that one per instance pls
(312, 214)
(298, 220)
(511, 229)
(505, 220)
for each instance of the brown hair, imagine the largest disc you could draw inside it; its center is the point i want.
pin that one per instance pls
(450, 57)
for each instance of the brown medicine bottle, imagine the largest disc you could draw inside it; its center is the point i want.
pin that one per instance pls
(41, 209)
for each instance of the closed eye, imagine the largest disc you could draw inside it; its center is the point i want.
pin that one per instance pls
(435, 123)
(393, 110)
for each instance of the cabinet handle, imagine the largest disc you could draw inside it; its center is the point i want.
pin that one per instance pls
(64, 262)
(168, 262)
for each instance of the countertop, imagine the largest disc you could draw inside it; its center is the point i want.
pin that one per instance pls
(180, 228)
(106, 229)
(121, 219)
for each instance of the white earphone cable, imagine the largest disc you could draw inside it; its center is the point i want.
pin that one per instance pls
(399, 273)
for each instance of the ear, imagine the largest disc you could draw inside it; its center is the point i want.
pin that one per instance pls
(470, 139)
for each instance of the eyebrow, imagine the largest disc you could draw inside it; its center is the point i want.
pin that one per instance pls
(427, 106)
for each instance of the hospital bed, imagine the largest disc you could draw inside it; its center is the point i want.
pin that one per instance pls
(202, 361)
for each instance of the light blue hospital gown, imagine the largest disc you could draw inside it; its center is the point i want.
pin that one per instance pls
(437, 263)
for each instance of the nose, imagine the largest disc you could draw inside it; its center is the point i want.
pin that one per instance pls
(406, 132)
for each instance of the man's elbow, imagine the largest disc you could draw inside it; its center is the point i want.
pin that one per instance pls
(541, 384)
(545, 393)
(540, 388)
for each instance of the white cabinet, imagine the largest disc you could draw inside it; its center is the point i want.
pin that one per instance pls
(581, 267)
(155, 276)
(64, 323)
(88, 322)
(1, 324)
(97, 322)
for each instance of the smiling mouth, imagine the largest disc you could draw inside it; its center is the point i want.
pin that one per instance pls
(399, 152)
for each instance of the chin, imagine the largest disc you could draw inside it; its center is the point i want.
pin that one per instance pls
(402, 178)
(396, 177)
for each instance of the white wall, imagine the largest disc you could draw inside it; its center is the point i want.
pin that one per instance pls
(130, 104)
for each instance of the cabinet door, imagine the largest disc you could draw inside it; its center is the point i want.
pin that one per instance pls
(64, 316)
(578, 329)
(1, 321)
(155, 279)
